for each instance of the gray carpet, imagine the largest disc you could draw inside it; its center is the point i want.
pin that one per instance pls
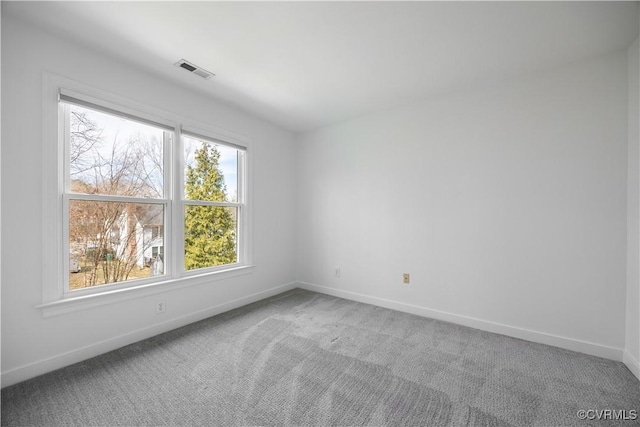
(303, 358)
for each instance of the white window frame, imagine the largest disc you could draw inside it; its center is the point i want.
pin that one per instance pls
(241, 250)
(57, 298)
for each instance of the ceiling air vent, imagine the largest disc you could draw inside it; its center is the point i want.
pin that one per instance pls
(198, 71)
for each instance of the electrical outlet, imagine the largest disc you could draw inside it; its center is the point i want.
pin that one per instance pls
(161, 307)
(337, 272)
(406, 278)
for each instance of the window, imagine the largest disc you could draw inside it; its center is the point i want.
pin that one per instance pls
(144, 198)
(114, 194)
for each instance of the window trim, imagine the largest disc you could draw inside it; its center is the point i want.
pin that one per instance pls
(241, 204)
(55, 298)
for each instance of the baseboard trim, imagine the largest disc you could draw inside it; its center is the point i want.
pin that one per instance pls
(34, 369)
(632, 363)
(499, 328)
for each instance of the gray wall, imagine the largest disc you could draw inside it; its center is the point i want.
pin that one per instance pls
(507, 205)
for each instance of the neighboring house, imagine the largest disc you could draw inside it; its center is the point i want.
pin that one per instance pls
(153, 242)
(147, 240)
(139, 234)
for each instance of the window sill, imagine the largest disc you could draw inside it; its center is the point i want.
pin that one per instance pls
(77, 303)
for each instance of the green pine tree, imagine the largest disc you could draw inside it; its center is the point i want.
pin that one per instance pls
(210, 231)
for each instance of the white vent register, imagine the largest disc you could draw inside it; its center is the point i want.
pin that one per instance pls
(192, 68)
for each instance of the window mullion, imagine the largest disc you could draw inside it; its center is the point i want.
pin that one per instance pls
(169, 220)
(177, 244)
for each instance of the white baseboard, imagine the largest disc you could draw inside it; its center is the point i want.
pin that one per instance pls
(34, 369)
(632, 363)
(512, 331)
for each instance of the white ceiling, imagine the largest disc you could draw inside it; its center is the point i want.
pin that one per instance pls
(302, 65)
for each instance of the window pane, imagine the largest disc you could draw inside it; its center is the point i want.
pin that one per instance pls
(211, 171)
(209, 236)
(114, 242)
(114, 155)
